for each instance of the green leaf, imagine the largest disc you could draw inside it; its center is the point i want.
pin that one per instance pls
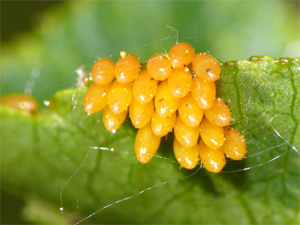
(43, 151)
(39, 153)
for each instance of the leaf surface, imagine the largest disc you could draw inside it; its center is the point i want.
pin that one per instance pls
(43, 151)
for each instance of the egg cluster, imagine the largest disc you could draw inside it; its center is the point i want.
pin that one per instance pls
(174, 92)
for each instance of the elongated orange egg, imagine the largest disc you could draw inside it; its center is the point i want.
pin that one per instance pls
(186, 136)
(212, 135)
(102, 72)
(181, 54)
(235, 144)
(159, 67)
(190, 113)
(144, 87)
(112, 121)
(20, 102)
(140, 114)
(206, 67)
(119, 97)
(95, 98)
(186, 157)
(219, 114)
(213, 160)
(165, 103)
(203, 92)
(127, 68)
(146, 144)
(161, 126)
(180, 82)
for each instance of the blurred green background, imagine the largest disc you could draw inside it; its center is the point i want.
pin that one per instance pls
(75, 34)
(18, 18)
(55, 38)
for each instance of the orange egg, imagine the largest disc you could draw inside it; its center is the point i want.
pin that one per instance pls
(144, 87)
(140, 114)
(185, 135)
(203, 92)
(161, 126)
(159, 67)
(219, 114)
(95, 98)
(127, 69)
(181, 54)
(190, 113)
(187, 157)
(102, 72)
(180, 82)
(213, 160)
(165, 103)
(212, 135)
(112, 121)
(235, 144)
(206, 67)
(20, 102)
(119, 97)
(146, 144)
